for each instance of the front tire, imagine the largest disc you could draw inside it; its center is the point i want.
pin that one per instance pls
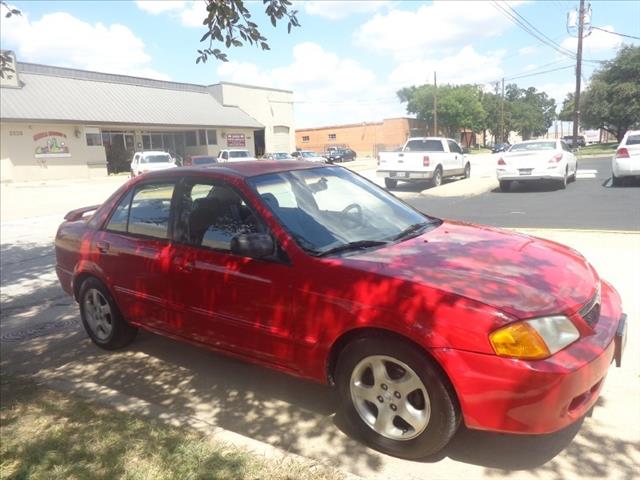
(390, 183)
(467, 170)
(101, 317)
(396, 398)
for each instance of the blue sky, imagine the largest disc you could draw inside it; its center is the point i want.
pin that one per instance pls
(346, 61)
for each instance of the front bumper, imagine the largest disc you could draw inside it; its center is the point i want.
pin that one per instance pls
(543, 396)
(405, 175)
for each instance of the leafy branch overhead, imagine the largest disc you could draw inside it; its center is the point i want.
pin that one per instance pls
(5, 59)
(229, 22)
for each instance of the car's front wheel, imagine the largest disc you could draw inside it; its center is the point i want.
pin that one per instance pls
(101, 317)
(395, 398)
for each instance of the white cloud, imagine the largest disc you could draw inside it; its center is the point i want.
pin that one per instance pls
(528, 68)
(527, 50)
(193, 14)
(328, 89)
(466, 66)
(408, 34)
(337, 10)
(64, 40)
(160, 6)
(597, 41)
(557, 90)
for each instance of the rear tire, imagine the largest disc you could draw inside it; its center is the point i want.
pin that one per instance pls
(574, 177)
(390, 183)
(436, 180)
(562, 184)
(371, 395)
(505, 185)
(101, 317)
(615, 181)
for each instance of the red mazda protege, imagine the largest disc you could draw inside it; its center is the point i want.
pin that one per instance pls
(312, 270)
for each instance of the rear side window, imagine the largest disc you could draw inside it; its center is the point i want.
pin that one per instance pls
(144, 212)
(633, 140)
(424, 146)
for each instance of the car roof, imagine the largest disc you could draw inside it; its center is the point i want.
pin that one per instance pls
(236, 169)
(203, 156)
(540, 140)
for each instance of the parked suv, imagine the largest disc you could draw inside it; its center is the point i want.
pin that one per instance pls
(152, 161)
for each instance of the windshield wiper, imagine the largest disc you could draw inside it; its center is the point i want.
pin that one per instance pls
(359, 245)
(411, 230)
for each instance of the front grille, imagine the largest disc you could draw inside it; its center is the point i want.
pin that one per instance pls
(591, 310)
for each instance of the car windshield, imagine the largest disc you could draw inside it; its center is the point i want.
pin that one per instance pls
(329, 208)
(309, 154)
(424, 146)
(159, 158)
(524, 147)
(633, 140)
(239, 154)
(281, 156)
(203, 160)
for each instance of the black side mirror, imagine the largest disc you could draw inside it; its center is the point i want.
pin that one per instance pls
(253, 245)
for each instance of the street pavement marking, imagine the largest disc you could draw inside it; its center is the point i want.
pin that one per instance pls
(586, 173)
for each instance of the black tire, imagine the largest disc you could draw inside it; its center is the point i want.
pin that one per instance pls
(615, 181)
(505, 185)
(436, 180)
(467, 170)
(120, 334)
(562, 184)
(444, 418)
(574, 177)
(390, 183)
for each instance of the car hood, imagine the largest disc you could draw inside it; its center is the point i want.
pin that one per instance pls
(521, 275)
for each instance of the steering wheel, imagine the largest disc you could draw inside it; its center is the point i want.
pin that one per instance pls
(353, 213)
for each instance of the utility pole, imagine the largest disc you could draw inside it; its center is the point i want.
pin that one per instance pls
(502, 114)
(435, 105)
(576, 97)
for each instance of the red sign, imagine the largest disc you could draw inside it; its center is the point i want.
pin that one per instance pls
(235, 140)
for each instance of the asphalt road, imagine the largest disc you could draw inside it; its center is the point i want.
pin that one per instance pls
(589, 203)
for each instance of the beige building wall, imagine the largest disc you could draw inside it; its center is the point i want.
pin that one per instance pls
(19, 160)
(271, 107)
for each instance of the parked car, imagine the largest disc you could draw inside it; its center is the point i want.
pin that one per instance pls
(150, 161)
(235, 155)
(199, 160)
(626, 161)
(340, 155)
(569, 140)
(309, 156)
(500, 147)
(535, 161)
(420, 323)
(423, 158)
(277, 156)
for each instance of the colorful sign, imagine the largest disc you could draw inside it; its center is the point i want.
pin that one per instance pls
(235, 140)
(51, 144)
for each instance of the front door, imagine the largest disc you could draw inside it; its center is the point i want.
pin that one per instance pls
(231, 302)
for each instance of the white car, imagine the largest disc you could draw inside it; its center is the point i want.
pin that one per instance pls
(626, 161)
(235, 155)
(144, 162)
(309, 156)
(537, 160)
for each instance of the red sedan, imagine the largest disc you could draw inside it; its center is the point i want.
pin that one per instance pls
(312, 270)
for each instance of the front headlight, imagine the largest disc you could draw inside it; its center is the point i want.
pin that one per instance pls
(534, 339)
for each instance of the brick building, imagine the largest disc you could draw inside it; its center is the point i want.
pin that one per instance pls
(367, 138)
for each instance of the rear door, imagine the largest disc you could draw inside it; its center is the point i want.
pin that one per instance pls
(134, 251)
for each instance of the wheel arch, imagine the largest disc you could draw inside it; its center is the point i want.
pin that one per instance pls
(363, 332)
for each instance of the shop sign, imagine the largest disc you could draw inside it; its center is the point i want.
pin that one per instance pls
(235, 140)
(51, 144)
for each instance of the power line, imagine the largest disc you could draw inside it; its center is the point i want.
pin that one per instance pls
(615, 33)
(539, 73)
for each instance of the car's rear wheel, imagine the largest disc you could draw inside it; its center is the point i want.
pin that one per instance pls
(390, 183)
(562, 184)
(574, 176)
(505, 185)
(395, 398)
(101, 317)
(436, 180)
(615, 181)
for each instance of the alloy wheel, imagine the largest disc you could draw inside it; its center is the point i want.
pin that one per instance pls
(98, 314)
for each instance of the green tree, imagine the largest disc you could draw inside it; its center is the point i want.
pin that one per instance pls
(531, 113)
(492, 103)
(612, 100)
(566, 113)
(458, 106)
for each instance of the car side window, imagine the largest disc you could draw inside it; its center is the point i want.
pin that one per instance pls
(150, 210)
(211, 214)
(225, 155)
(453, 147)
(120, 217)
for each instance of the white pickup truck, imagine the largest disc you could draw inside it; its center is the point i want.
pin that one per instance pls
(423, 158)
(235, 155)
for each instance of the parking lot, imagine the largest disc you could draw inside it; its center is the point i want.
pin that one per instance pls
(42, 336)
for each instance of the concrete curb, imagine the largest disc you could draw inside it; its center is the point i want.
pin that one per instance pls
(129, 404)
(467, 187)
